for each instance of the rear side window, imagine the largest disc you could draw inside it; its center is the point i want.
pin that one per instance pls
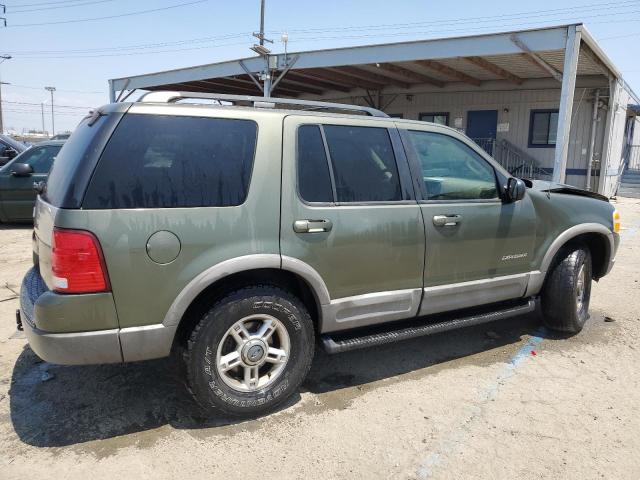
(364, 165)
(154, 161)
(314, 181)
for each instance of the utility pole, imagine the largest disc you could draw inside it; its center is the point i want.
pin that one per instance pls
(53, 125)
(3, 58)
(42, 111)
(264, 52)
(261, 22)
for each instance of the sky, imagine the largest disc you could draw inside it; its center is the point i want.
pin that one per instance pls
(69, 44)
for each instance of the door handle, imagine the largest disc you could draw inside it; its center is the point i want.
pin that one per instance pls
(312, 226)
(446, 220)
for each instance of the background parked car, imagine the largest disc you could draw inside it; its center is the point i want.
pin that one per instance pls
(61, 136)
(17, 178)
(9, 149)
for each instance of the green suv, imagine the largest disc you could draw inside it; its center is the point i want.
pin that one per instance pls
(238, 232)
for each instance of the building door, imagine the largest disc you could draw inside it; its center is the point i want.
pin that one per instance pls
(481, 128)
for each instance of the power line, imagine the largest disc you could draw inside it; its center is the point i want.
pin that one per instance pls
(21, 5)
(484, 19)
(64, 91)
(79, 20)
(635, 34)
(135, 46)
(487, 28)
(38, 104)
(55, 7)
(38, 54)
(34, 111)
(120, 54)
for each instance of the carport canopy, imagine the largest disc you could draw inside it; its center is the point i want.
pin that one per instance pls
(560, 53)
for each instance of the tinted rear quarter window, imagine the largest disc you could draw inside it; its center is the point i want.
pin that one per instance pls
(314, 181)
(75, 162)
(159, 161)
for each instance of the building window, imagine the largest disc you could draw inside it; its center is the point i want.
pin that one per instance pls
(543, 126)
(440, 118)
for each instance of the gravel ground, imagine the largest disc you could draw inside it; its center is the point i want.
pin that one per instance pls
(505, 400)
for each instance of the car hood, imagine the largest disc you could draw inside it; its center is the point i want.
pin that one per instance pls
(554, 187)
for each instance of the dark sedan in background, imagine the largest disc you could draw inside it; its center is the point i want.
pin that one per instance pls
(17, 178)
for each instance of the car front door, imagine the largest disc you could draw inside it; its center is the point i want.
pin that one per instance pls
(17, 195)
(350, 216)
(478, 247)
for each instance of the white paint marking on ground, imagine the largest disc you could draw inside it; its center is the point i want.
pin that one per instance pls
(457, 437)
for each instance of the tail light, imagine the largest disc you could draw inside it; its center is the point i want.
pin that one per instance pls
(616, 222)
(77, 263)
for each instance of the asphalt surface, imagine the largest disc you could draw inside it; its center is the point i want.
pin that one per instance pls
(504, 400)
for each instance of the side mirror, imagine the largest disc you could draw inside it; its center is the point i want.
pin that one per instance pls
(515, 189)
(21, 170)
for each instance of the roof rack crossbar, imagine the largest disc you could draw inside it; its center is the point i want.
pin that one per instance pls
(258, 102)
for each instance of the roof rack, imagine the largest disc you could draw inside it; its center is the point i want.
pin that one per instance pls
(256, 102)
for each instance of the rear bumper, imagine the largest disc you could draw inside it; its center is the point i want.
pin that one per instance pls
(80, 348)
(40, 307)
(83, 329)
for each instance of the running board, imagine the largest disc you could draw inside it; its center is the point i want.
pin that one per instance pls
(350, 342)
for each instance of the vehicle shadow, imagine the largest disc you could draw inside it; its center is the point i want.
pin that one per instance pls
(54, 406)
(16, 226)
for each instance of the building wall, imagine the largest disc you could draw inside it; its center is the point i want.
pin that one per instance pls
(514, 108)
(615, 146)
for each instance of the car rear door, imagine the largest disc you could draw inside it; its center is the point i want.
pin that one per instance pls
(479, 248)
(349, 213)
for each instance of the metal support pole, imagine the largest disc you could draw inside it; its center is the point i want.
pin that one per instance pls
(610, 126)
(53, 124)
(262, 22)
(53, 121)
(571, 54)
(3, 58)
(112, 92)
(42, 112)
(1, 119)
(592, 140)
(266, 89)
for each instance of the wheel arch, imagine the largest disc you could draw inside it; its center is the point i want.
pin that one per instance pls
(288, 273)
(598, 238)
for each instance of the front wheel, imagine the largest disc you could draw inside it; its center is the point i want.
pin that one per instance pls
(250, 352)
(567, 290)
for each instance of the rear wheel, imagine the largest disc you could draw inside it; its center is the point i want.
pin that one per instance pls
(567, 290)
(250, 352)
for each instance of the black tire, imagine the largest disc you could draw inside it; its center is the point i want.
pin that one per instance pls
(561, 308)
(205, 382)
